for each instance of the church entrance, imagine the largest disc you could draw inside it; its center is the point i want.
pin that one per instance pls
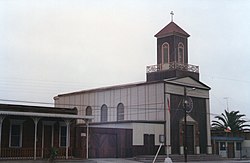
(190, 139)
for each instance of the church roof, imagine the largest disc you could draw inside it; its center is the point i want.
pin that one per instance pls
(171, 29)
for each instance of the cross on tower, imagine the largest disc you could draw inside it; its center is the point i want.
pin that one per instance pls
(172, 16)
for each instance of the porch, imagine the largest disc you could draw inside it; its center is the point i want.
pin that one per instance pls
(31, 132)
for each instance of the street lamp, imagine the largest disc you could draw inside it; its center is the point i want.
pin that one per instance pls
(185, 123)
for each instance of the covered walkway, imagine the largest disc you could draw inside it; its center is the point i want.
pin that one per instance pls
(51, 127)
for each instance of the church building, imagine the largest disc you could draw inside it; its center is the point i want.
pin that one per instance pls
(134, 119)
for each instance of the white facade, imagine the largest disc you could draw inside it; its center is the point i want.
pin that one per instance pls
(141, 102)
(146, 107)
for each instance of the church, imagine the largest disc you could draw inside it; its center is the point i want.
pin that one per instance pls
(171, 108)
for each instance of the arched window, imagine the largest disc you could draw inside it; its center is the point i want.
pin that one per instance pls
(89, 111)
(104, 113)
(165, 53)
(180, 53)
(120, 112)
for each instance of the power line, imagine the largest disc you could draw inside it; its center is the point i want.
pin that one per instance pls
(137, 107)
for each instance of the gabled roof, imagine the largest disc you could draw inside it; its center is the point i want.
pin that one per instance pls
(171, 29)
(188, 81)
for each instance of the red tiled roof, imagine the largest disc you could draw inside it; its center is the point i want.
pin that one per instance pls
(171, 29)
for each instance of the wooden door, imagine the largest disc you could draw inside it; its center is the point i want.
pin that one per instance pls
(103, 146)
(230, 150)
(47, 140)
(149, 144)
(190, 139)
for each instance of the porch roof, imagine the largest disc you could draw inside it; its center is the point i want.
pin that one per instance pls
(47, 115)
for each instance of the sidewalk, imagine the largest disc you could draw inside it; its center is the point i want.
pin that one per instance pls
(112, 160)
(101, 160)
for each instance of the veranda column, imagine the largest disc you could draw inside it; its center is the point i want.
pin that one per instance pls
(67, 121)
(42, 140)
(1, 123)
(35, 119)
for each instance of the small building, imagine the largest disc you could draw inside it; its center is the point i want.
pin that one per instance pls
(231, 145)
(134, 119)
(31, 132)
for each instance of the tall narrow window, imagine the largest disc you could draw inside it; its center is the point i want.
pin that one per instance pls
(89, 111)
(104, 113)
(120, 112)
(180, 53)
(15, 136)
(63, 136)
(165, 53)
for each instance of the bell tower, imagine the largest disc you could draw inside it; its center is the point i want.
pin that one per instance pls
(172, 55)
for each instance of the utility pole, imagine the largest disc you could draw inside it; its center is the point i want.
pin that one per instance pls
(185, 124)
(226, 98)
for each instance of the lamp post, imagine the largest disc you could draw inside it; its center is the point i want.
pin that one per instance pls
(185, 124)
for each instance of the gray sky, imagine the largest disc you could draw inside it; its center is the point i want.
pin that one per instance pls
(50, 47)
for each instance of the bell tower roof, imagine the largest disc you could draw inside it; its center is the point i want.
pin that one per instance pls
(171, 29)
(172, 55)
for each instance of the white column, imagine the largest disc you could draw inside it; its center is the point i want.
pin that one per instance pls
(52, 136)
(42, 140)
(209, 146)
(67, 121)
(35, 119)
(1, 123)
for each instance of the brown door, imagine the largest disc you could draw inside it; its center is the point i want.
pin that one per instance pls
(149, 144)
(103, 146)
(190, 139)
(230, 150)
(47, 140)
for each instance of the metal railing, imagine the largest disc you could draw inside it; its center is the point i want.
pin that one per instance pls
(172, 66)
(28, 153)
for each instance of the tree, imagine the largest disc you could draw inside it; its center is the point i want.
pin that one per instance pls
(230, 120)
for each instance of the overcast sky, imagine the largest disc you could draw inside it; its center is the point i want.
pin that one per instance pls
(49, 47)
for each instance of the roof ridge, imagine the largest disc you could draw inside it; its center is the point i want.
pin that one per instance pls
(171, 29)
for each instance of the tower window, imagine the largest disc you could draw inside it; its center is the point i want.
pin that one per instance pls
(165, 53)
(180, 58)
(104, 113)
